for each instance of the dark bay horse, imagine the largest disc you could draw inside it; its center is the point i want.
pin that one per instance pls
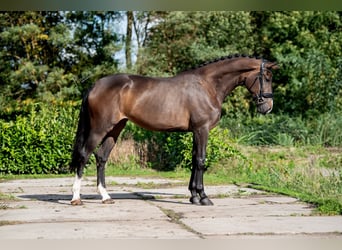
(190, 101)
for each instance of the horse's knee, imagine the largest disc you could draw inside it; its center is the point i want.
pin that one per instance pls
(200, 163)
(100, 160)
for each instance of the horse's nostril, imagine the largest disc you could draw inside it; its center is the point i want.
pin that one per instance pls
(260, 100)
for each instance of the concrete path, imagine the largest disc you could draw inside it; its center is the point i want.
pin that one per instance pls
(148, 208)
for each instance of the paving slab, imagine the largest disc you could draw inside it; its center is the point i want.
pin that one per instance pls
(41, 210)
(138, 229)
(266, 225)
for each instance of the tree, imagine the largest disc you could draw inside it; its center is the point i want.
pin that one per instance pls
(95, 44)
(128, 45)
(143, 21)
(308, 46)
(31, 47)
(47, 55)
(185, 39)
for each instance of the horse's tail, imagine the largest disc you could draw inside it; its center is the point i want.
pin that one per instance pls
(81, 135)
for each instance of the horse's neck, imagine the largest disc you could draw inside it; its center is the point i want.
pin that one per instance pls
(224, 76)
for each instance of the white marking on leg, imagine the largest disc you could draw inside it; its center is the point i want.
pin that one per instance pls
(103, 192)
(76, 188)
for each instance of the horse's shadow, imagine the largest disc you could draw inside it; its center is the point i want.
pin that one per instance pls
(91, 198)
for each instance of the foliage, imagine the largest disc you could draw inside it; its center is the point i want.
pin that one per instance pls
(326, 130)
(184, 39)
(285, 130)
(310, 174)
(307, 44)
(38, 142)
(168, 151)
(95, 44)
(61, 54)
(31, 43)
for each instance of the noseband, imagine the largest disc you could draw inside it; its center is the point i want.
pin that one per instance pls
(260, 97)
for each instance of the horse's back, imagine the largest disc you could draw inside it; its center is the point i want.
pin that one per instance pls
(163, 104)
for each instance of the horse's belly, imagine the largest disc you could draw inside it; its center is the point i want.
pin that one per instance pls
(161, 121)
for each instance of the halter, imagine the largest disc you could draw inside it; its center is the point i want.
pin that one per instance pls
(259, 97)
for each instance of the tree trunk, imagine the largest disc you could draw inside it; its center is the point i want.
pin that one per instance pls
(129, 39)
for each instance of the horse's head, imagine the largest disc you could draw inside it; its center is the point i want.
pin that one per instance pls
(259, 83)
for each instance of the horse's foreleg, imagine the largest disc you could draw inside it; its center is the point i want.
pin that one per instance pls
(196, 186)
(194, 172)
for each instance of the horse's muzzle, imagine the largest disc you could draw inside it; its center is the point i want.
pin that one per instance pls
(265, 106)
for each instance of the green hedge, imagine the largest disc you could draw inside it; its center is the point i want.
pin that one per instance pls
(280, 129)
(38, 138)
(168, 151)
(39, 141)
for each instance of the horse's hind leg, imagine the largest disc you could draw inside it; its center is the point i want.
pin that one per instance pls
(101, 158)
(84, 153)
(102, 155)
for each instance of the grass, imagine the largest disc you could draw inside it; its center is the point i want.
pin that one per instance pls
(7, 223)
(6, 197)
(4, 200)
(312, 174)
(6, 177)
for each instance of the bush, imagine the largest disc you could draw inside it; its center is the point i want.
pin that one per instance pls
(324, 130)
(312, 174)
(40, 141)
(267, 130)
(168, 151)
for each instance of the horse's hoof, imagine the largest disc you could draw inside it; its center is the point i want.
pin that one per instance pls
(195, 200)
(77, 202)
(206, 202)
(108, 201)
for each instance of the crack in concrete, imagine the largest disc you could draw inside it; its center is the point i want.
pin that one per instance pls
(176, 218)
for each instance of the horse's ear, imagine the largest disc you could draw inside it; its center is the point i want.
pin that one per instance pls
(273, 66)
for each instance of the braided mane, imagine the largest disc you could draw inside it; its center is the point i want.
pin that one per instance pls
(225, 58)
(231, 56)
